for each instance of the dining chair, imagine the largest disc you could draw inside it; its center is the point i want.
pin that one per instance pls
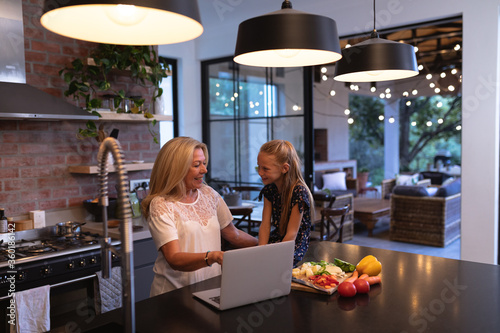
(327, 222)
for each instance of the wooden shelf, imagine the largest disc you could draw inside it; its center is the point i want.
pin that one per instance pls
(93, 169)
(113, 116)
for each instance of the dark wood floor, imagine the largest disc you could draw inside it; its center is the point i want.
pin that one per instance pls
(381, 240)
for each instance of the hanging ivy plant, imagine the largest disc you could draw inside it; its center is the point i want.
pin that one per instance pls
(90, 81)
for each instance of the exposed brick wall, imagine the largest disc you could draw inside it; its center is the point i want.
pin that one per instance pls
(35, 155)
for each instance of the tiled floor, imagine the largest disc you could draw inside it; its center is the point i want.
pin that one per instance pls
(381, 240)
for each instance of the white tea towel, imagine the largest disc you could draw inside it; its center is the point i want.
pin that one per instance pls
(109, 291)
(33, 310)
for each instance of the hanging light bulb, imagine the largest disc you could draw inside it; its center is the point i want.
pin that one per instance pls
(376, 59)
(287, 38)
(128, 22)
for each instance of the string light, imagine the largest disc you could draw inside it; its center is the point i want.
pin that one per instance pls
(350, 121)
(392, 120)
(413, 123)
(429, 123)
(408, 103)
(428, 76)
(440, 120)
(332, 92)
(381, 117)
(347, 112)
(459, 127)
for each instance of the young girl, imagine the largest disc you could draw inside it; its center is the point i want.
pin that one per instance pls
(287, 199)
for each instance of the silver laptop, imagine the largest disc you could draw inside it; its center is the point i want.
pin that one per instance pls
(251, 275)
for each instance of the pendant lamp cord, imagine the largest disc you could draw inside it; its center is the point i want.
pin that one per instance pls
(286, 4)
(374, 33)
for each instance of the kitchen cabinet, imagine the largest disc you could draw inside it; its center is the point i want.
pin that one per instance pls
(144, 259)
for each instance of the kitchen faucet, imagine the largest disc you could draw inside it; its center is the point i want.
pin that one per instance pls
(111, 145)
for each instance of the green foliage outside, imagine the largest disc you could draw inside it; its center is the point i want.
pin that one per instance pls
(427, 125)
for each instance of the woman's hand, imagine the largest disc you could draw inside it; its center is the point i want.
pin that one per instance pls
(215, 257)
(188, 262)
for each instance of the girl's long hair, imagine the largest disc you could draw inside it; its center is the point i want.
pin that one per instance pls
(170, 168)
(284, 152)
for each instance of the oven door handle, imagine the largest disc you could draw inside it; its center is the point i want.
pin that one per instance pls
(88, 277)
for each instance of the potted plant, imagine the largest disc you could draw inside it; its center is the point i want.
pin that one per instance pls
(362, 176)
(89, 79)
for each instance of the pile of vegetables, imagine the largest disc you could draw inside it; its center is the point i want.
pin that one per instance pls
(323, 274)
(327, 275)
(366, 273)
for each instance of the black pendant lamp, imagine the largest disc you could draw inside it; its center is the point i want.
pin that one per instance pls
(124, 22)
(376, 59)
(287, 38)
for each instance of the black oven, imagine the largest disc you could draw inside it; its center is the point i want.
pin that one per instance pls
(70, 272)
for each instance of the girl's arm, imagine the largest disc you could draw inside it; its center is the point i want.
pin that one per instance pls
(188, 262)
(237, 237)
(293, 224)
(265, 226)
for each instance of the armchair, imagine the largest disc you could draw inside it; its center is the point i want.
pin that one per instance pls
(430, 220)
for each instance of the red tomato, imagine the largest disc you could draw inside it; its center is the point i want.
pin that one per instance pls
(362, 286)
(346, 289)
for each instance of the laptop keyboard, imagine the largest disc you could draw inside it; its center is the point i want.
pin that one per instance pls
(216, 299)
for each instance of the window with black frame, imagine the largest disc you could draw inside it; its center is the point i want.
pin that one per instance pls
(167, 104)
(244, 107)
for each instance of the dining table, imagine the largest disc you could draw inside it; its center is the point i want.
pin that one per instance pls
(417, 293)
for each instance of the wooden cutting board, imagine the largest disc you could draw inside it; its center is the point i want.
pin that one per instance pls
(302, 287)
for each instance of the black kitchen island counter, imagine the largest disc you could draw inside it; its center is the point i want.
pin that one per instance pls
(418, 293)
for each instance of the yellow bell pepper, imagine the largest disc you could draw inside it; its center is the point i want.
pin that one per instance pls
(369, 265)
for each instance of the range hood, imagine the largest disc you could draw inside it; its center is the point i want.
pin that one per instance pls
(22, 101)
(17, 99)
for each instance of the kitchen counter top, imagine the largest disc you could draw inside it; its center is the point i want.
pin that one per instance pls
(96, 228)
(418, 293)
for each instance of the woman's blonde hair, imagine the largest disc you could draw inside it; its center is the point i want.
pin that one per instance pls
(170, 168)
(284, 152)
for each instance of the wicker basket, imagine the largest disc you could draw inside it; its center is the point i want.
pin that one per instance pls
(425, 220)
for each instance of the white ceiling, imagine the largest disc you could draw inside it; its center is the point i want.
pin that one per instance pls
(230, 13)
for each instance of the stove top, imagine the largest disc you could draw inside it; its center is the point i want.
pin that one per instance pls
(44, 243)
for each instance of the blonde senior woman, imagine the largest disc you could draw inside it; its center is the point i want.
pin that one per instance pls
(187, 218)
